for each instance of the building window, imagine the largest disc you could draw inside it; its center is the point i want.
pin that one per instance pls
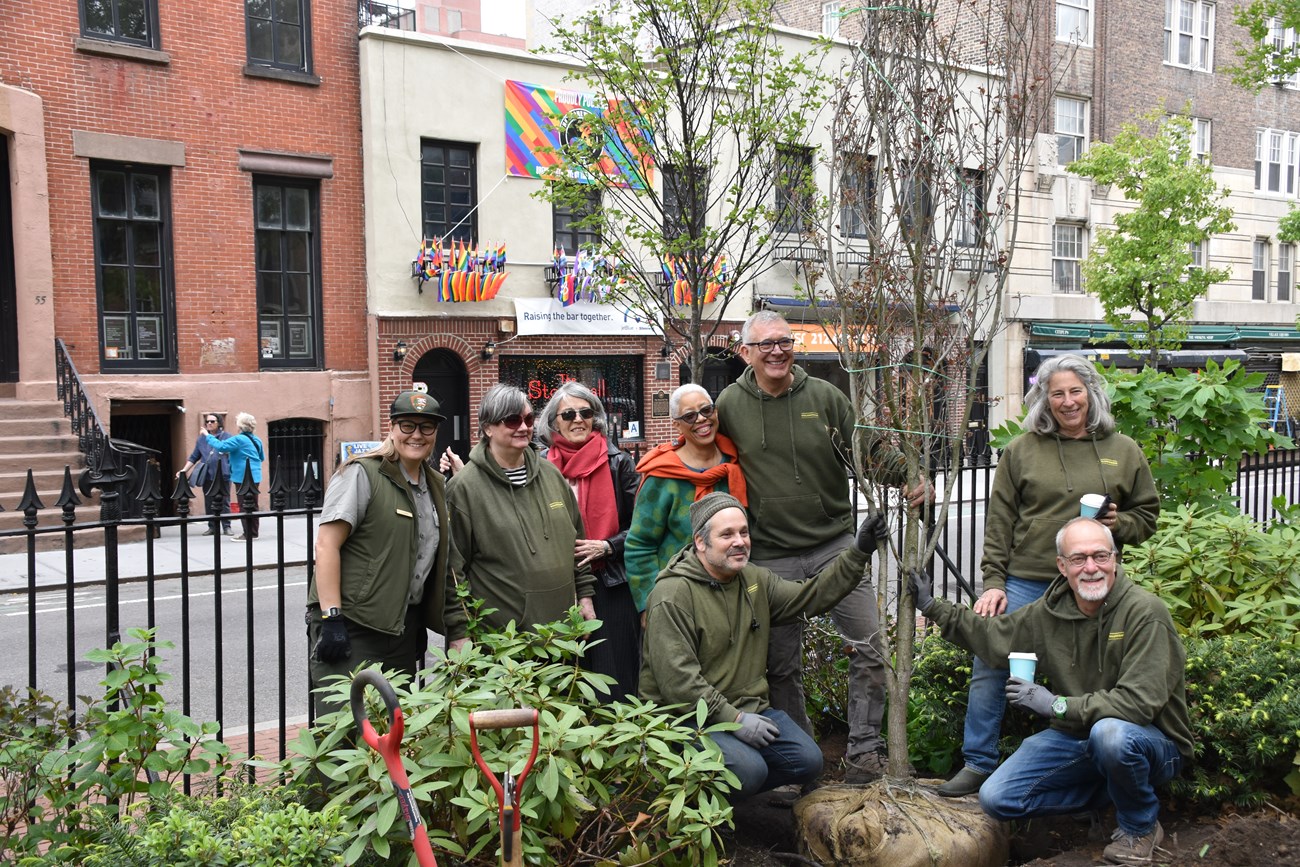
(1283, 40)
(134, 22)
(133, 274)
(288, 273)
(857, 195)
(970, 219)
(1285, 271)
(1074, 21)
(569, 237)
(616, 379)
(1259, 273)
(831, 19)
(794, 179)
(1201, 139)
(1189, 34)
(1071, 128)
(1277, 154)
(279, 33)
(1067, 254)
(449, 190)
(1200, 251)
(680, 187)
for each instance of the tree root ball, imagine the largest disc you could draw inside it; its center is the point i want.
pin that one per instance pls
(894, 823)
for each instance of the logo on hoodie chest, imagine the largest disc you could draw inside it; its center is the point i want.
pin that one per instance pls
(810, 415)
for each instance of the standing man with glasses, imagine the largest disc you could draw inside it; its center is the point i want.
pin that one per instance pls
(1117, 706)
(794, 436)
(515, 525)
(211, 474)
(381, 554)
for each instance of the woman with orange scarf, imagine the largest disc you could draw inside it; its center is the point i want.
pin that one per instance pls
(673, 476)
(604, 479)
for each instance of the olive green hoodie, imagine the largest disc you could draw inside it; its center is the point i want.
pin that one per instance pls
(795, 449)
(1036, 490)
(1126, 663)
(514, 544)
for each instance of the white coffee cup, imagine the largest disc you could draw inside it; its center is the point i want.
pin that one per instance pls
(1022, 665)
(1090, 504)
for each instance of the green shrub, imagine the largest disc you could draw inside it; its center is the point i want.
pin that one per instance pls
(32, 725)
(620, 783)
(826, 675)
(1244, 702)
(1222, 573)
(246, 826)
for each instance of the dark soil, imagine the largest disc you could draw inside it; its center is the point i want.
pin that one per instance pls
(1270, 837)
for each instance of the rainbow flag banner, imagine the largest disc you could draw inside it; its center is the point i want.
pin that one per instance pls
(677, 276)
(585, 277)
(546, 127)
(458, 271)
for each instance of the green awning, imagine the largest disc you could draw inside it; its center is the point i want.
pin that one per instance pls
(1196, 334)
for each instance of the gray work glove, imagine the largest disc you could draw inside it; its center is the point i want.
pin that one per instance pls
(1030, 696)
(872, 530)
(756, 730)
(918, 584)
(333, 644)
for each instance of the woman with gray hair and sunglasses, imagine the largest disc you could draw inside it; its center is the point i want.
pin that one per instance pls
(514, 525)
(572, 428)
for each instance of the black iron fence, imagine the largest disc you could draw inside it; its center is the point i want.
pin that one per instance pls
(234, 609)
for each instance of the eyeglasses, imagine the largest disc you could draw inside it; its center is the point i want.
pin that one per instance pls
(571, 414)
(696, 414)
(211, 421)
(515, 421)
(1101, 558)
(428, 428)
(766, 346)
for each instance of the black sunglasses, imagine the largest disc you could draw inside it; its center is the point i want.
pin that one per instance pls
(571, 414)
(696, 414)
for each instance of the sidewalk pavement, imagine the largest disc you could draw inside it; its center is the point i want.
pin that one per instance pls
(133, 564)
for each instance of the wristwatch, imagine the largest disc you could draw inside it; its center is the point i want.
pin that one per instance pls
(331, 613)
(1059, 707)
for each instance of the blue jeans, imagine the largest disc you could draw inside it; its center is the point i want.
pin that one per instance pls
(792, 758)
(1054, 774)
(987, 699)
(858, 620)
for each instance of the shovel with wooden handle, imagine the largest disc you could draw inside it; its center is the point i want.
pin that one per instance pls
(509, 788)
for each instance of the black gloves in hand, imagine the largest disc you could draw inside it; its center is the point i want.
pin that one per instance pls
(756, 730)
(870, 532)
(1030, 696)
(333, 644)
(919, 585)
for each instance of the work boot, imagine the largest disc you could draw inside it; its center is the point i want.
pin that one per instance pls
(967, 782)
(1131, 849)
(864, 768)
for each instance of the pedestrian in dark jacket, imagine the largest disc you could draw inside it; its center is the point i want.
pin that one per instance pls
(211, 474)
(1117, 703)
(573, 429)
(515, 525)
(246, 452)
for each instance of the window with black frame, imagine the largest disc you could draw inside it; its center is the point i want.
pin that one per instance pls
(616, 379)
(685, 198)
(857, 194)
(288, 273)
(279, 34)
(968, 227)
(794, 188)
(449, 190)
(132, 22)
(133, 273)
(569, 236)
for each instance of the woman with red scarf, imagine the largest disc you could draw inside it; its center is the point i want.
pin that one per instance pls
(603, 477)
(674, 475)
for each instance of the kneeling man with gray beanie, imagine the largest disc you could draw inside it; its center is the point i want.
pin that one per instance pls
(707, 626)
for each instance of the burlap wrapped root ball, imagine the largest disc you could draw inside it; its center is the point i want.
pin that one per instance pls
(894, 824)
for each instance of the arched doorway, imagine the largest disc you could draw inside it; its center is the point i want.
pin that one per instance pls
(721, 369)
(445, 374)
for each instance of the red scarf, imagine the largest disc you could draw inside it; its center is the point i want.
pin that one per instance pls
(664, 462)
(586, 467)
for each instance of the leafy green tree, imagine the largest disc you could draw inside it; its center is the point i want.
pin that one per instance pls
(1265, 58)
(705, 105)
(1144, 265)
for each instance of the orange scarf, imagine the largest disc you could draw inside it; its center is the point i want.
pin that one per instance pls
(664, 462)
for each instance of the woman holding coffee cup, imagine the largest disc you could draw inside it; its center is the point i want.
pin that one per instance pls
(1070, 448)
